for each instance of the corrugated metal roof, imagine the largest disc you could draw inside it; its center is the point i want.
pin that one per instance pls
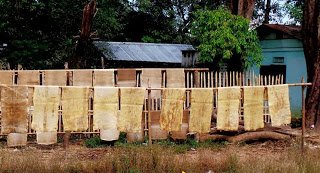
(149, 52)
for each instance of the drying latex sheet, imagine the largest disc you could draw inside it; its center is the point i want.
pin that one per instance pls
(201, 110)
(103, 77)
(28, 77)
(55, 77)
(228, 108)
(126, 77)
(130, 119)
(46, 105)
(154, 76)
(82, 78)
(47, 138)
(253, 107)
(175, 78)
(17, 139)
(172, 109)
(105, 112)
(45, 115)
(14, 107)
(6, 77)
(75, 108)
(279, 105)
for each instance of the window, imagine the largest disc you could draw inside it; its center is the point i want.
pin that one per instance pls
(278, 60)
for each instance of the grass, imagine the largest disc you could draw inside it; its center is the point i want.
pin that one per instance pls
(161, 158)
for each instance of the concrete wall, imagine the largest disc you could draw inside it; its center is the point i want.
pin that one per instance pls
(292, 51)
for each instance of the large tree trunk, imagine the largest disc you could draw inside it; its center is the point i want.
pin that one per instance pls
(311, 44)
(267, 12)
(245, 8)
(242, 7)
(78, 60)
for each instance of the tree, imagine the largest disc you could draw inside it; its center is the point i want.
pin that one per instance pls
(311, 44)
(227, 38)
(294, 9)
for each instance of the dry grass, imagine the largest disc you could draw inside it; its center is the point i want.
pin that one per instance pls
(161, 158)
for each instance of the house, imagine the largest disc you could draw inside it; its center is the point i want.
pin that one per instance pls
(282, 51)
(132, 54)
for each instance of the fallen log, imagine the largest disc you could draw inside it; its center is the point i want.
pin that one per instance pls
(250, 136)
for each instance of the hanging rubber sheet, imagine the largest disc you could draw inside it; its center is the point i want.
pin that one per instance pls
(103, 77)
(46, 106)
(201, 110)
(47, 138)
(175, 78)
(253, 107)
(228, 108)
(55, 77)
(172, 109)
(105, 108)
(154, 76)
(130, 119)
(6, 77)
(82, 78)
(126, 78)
(28, 77)
(17, 139)
(14, 108)
(279, 105)
(75, 108)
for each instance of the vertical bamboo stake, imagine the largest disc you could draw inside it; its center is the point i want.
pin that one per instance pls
(216, 79)
(145, 115)
(266, 80)
(303, 117)
(234, 78)
(237, 78)
(219, 81)
(211, 80)
(149, 114)
(191, 80)
(227, 78)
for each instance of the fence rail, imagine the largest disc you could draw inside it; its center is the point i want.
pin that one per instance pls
(194, 78)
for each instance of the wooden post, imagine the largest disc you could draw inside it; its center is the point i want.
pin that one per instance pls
(149, 114)
(303, 117)
(66, 138)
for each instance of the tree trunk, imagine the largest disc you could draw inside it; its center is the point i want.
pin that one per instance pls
(245, 8)
(78, 60)
(267, 12)
(311, 44)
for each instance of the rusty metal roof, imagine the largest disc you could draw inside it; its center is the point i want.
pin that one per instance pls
(147, 52)
(292, 30)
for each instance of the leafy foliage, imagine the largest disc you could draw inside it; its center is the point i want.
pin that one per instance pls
(223, 35)
(295, 11)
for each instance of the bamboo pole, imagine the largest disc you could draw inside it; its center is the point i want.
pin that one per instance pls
(149, 114)
(303, 117)
(237, 78)
(216, 79)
